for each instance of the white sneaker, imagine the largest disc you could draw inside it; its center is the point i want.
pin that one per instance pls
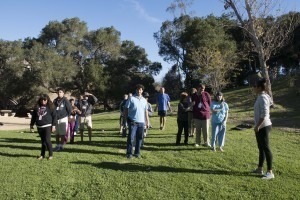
(196, 145)
(268, 176)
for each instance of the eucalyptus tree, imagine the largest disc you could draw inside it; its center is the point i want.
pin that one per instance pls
(267, 39)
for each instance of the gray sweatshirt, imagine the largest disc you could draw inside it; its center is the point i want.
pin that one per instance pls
(262, 109)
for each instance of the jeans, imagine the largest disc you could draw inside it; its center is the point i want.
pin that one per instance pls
(45, 134)
(262, 138)
(136, 131)
(217, 133)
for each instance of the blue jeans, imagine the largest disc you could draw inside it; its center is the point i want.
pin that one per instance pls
(136, 131)
(217, 133)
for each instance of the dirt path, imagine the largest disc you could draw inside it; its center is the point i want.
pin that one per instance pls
(14, 123)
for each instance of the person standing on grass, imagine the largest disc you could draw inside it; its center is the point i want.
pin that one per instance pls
(136, 114)
(86, 108)
(162, 105)
(192, 129)
(182, 118)
(123, 123)
(72, 120)
(44, 116)
(262, 128)
(201, 114)
(219, 118)
(63, 111)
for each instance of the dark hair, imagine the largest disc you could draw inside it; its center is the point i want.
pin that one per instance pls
(261, 83)
(45, 97)
(60, 89)
(71, 100)
(183, 96)
(139, 86)
(219, 94)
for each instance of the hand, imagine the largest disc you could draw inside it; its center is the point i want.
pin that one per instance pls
(53, 129)
(256, 129)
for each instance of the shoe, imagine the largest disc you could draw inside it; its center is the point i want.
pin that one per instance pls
(213, 149)
(128, 156)
(57, 148)
(206, 145)
(257, 171)
(197, 145)
(268, 176)
(221, 149)
(137, 155)
(40, 158)
(50, 158)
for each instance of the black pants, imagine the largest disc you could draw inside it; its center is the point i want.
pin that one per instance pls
(45, 134)
(262, 138)
(182, 125)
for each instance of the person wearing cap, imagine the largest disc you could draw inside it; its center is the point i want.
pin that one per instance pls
(219, 118)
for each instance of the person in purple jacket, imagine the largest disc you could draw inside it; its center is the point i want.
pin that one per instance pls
(44, 116)
(201, 113)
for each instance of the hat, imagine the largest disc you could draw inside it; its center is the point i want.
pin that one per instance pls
(146, 94)
(219, 94)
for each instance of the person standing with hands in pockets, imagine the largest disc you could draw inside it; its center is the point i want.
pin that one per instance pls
(262, 128)
(219, 118)
(44, 116)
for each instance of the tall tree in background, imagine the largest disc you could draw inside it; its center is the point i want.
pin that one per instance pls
(267, 39)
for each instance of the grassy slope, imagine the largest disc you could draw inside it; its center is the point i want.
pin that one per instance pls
(101, 171)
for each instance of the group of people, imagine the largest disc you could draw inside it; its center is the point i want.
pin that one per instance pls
(196, 112)
(61, 117)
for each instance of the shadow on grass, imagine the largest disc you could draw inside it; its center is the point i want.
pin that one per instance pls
(66, 150)
(16, 155)
(19, 140)
(133, 167)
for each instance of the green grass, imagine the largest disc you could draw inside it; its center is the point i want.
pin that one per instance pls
(101, 171)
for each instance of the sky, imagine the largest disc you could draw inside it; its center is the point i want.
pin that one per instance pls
(137, 20)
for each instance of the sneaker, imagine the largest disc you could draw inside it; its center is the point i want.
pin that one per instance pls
(207, 145)
(50, 158)
(268, 176)
(257, 171)
(128, 156)
(197, 145)
(57, 148)
(221, 149)
(213, 149)
(137, 155)
(40, 158)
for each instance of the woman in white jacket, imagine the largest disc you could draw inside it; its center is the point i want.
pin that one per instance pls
(262, 128)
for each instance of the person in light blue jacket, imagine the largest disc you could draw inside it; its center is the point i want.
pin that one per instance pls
(219, 118)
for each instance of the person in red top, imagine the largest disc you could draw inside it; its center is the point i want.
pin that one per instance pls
(201, 114)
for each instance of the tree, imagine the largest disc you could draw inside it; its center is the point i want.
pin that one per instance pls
(267, 38)
(211, 50)
(172, 83)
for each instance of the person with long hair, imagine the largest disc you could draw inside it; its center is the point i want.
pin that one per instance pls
(44, 116)
(219, 118)
(262, 128)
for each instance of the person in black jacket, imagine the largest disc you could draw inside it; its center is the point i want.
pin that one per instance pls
(86, 108)
(63, 111)
(44, 116)
(182, 118)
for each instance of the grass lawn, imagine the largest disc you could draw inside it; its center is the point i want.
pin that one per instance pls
(101, 171)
